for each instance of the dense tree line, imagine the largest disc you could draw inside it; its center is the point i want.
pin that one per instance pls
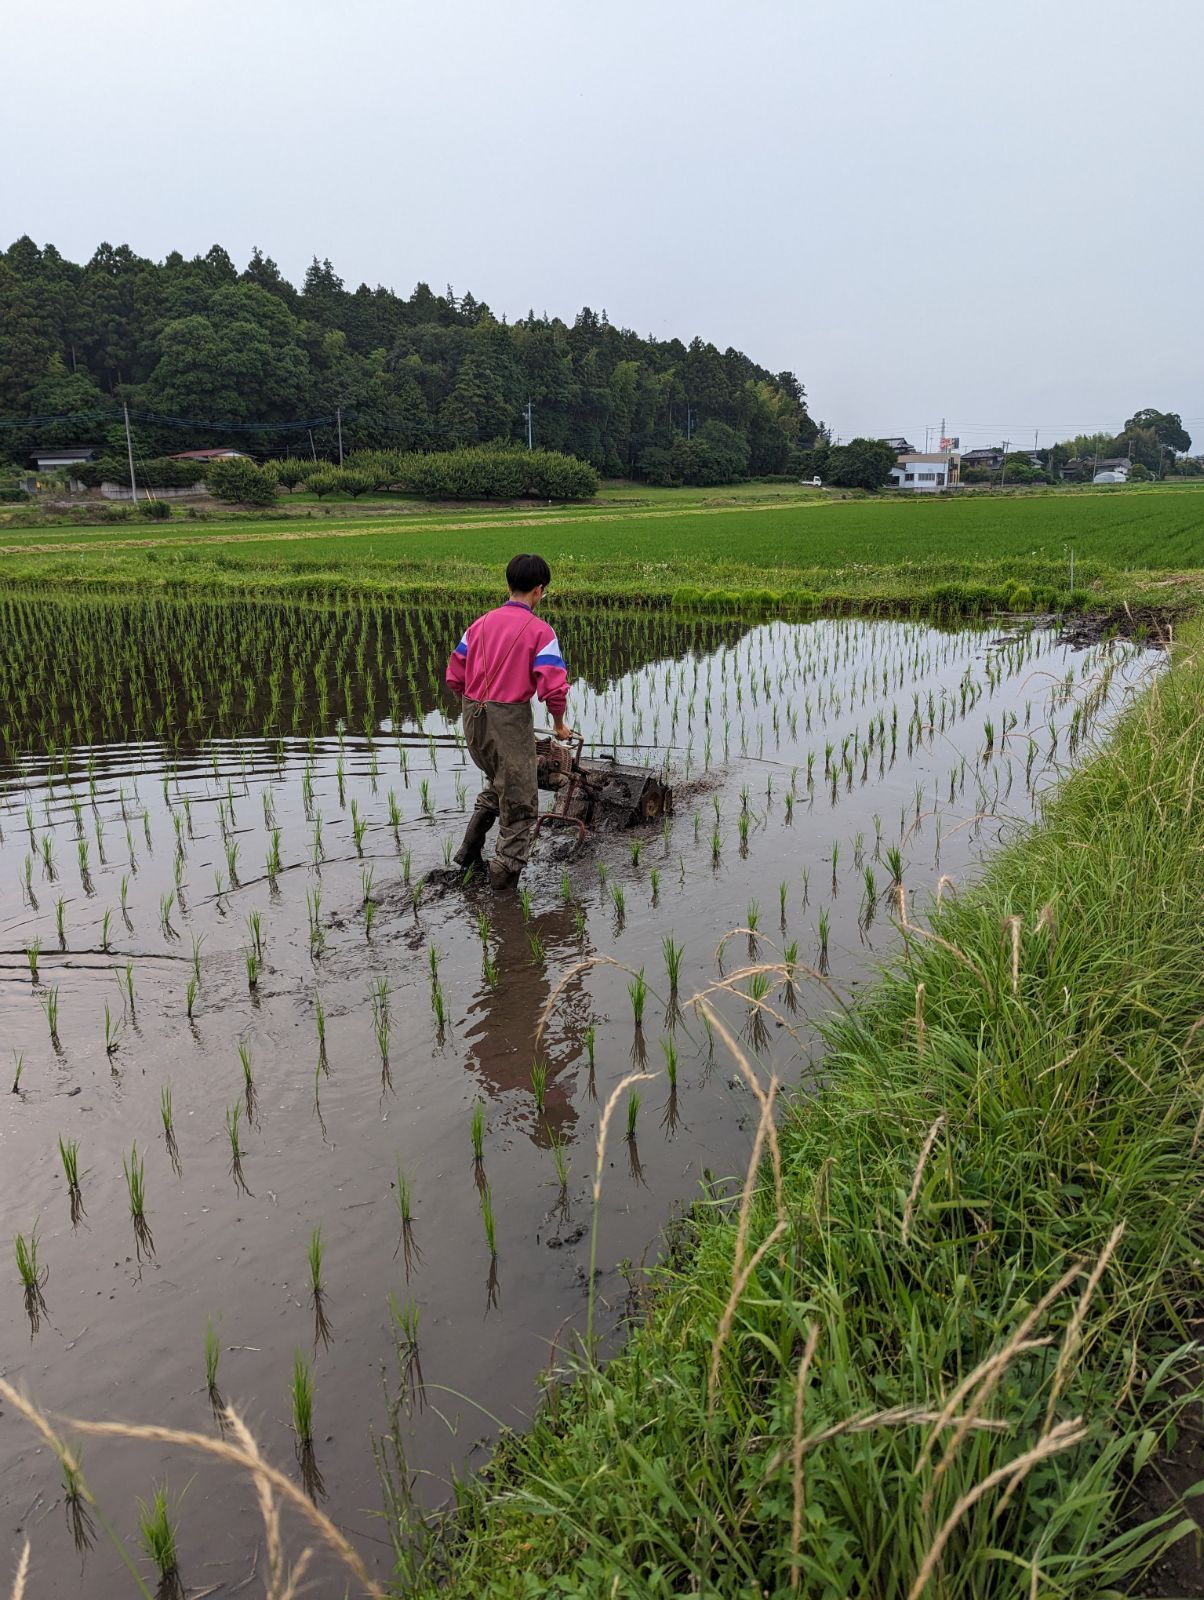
(198, 339)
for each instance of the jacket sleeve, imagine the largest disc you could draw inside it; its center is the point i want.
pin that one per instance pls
(551, 680)
(456, 666)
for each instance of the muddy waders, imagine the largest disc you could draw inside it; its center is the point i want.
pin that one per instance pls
(501, 741)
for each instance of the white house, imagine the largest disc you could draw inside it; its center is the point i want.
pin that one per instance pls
(925, 472)
(50, 458)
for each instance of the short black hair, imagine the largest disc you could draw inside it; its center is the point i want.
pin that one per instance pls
(526, 573)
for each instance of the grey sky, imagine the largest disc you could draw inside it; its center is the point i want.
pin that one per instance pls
(981, 212)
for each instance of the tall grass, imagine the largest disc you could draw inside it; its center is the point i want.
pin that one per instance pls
(951, 1319)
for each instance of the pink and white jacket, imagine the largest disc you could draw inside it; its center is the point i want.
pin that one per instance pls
(508, 655)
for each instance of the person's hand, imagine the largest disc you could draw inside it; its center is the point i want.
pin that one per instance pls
(562, 730)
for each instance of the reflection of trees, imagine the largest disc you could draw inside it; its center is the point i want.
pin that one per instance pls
(502, 1020)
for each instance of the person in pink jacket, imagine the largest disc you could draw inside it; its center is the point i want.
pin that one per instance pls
(504, 658)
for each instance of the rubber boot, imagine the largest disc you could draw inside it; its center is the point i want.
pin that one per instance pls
(501, 876)
(472, 848)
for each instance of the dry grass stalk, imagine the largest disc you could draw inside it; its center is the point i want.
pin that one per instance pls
(739, 1284)
(796, 1465)
(921, 990)
(753, 933)
(987, 1374)
(892, 1417)
(562, 984)
(905, 927)
(1012, 927)
(778, 969)
(1048, 921)
(616, 1094)
(941, 883)
(269, 1480)
(18, 1590)
(1063, 1437)
(918, 1176)
(766, 1129)
(1074, 1328)
(269, 1511)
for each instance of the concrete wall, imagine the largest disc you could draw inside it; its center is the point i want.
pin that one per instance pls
(121, 491)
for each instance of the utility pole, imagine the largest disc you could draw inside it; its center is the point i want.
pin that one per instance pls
(129, 450)
(528, 413)
(1004, 471)
(312, 450)
(338, 417)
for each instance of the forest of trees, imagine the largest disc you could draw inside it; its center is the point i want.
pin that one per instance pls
(199, 341)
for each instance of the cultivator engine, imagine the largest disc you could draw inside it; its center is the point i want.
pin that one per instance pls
(595, 791)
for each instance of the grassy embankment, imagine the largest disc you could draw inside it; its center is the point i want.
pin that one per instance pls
(726, 552)
(966, 1321)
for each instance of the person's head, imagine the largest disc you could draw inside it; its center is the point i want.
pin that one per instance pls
(527, 578)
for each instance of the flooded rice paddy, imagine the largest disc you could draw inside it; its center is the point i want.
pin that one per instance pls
(278, 1100)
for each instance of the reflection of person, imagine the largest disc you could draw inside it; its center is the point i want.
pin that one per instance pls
(504, 658)
(502, 1019)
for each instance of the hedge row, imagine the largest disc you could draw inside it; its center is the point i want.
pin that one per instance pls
(161, 472)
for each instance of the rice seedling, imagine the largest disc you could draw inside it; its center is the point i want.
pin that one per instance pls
(824, 928)
(560, 1162)
(439, 1007)
(157, 1536)
(301, 1396)
(69, 1156)
(591, 1041)
(536, 945)
(566, 889)
(32, 951)
(33, 1278)
(133, 1168)
(894, 861)
(654, 885)
(524, 900)
(315, 1253)
(426, 801)
(743, 824)
(636, 848)
(317, 940)
(213, 1356)
(18, 1069)
(619, 901)
(251, 961)
(190, 993)
(166, 903)
(476, 1132)
(716, 845)
(234, 1112)
(51, 1006)
(255, 931)
(60, 912)
(633, 1112)
(539, 1084)
(638, 991)
(359, 826)
(404, 1198)
(112, 1028)
(169, 1129)
(124, 899)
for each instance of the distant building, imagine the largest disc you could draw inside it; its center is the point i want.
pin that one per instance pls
(68, 455)
(899, 446)
(211, 455)
(925, 472)
(991, 458)
(1113, 469)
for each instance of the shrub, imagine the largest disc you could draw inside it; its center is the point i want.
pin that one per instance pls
(157, 510)
(242, 482)
(161, 472)
(322, 482)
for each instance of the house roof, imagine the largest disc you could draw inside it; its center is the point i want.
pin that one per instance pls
(48, 452)
(204, 455)
(943, 458)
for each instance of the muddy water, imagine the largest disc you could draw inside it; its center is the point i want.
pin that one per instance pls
(835, 742)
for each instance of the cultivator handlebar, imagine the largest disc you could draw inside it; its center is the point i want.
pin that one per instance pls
(596, 791)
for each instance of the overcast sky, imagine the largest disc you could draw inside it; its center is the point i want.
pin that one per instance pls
(987, 213)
